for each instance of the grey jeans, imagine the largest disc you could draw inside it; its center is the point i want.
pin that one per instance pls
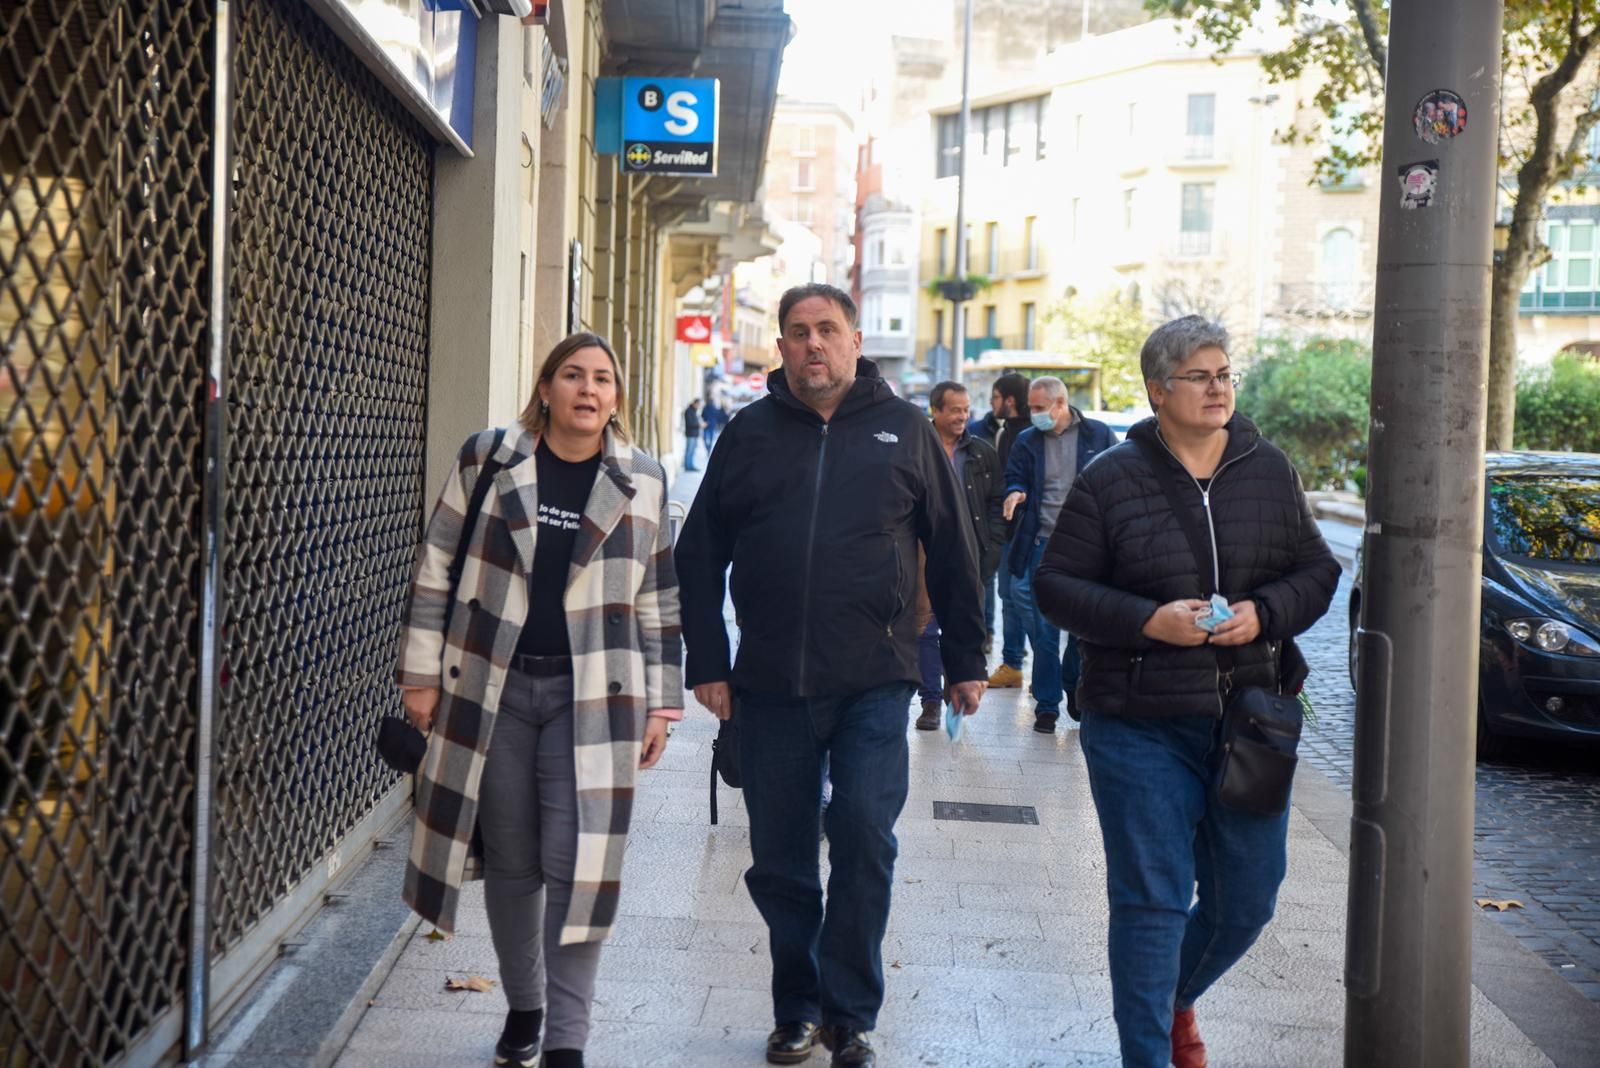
(528, 816)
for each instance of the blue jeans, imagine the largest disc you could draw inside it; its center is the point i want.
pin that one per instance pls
(1044, 636)
(1013, 627)
(929, 664)
(1168, 843)
(691, 443)
(827, 966)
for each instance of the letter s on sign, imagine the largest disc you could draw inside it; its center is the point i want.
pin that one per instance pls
(684, 121)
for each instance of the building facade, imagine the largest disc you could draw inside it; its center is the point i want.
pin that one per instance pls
(266, 265)
(811, 177)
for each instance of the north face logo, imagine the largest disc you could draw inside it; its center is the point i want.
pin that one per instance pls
(886, 437)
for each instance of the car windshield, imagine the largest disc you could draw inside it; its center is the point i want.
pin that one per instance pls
(1553, 519)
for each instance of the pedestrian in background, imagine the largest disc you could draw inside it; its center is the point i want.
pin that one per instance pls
(556, 679)
(1044, 463)
(1008, 417)
(819, 498)
(977, 469)
(714, 417)
(1191, 882)
(693, 427)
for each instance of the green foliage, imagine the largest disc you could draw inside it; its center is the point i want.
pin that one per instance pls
(1558, 407)
(1108, 332)
(1310, 398)
(935, 287)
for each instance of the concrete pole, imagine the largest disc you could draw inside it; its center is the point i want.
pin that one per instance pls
(958, 325)
(1408, 966)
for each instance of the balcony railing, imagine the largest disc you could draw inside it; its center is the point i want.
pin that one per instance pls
(1195, 243)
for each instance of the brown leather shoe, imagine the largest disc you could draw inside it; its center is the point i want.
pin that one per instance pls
(1188, 1051)
(929, 720)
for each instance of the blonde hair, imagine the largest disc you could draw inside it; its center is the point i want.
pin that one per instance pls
(536, 416)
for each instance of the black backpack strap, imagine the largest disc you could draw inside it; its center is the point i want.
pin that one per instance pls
(1198, 543)
(480, 490)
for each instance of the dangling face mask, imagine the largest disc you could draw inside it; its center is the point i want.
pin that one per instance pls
(1043, 422)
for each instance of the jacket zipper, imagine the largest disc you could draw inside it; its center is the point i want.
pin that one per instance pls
(811, 544)
(1211, 529)
(899, 598)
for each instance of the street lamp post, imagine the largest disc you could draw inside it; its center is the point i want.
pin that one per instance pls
(1408, 963)
(958, 325)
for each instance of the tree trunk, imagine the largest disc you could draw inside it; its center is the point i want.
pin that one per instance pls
(1505, 295)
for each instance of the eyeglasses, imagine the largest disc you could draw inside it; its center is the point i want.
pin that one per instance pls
(1200, 380)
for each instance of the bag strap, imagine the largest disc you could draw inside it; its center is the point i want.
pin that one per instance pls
(1201, 547)
(713, 782)
(480, 490)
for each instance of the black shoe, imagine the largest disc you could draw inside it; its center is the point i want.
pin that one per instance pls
(929, 720)
(563, 1058)
(519, 1040)
(791, 1043)
(850, 1048)
(1045, 722)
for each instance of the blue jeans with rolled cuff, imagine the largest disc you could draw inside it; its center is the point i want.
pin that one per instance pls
(1191, 883)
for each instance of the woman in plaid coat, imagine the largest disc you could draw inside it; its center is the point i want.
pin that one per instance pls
(552, 687)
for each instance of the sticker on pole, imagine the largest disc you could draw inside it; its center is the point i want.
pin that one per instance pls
(1418, 182)
(1439, 116)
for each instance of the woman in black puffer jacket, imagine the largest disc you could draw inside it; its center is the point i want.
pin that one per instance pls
(1120, 573)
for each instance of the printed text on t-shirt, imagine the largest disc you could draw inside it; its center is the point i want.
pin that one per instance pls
(559, 518)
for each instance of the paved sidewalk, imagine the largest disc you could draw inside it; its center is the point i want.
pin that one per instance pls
(996, 948)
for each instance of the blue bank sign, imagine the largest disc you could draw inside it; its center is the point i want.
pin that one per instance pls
(669, 126)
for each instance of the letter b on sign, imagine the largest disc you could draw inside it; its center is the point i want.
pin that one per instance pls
(684, 121)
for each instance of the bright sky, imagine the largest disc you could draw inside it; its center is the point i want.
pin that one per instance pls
(837, 43)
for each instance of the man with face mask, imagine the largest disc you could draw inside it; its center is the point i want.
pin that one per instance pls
(1039, 472)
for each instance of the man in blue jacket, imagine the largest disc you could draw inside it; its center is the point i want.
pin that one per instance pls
(1040, 471)
(820, 497)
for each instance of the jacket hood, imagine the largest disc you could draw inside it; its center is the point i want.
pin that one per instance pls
(868, 389)
(1243, 435)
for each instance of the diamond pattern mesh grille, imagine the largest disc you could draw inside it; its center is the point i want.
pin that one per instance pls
(104, 122)
(328, 360)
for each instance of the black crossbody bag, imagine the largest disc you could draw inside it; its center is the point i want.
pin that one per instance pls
(725, 756)
(400, 745)
(1260, 727)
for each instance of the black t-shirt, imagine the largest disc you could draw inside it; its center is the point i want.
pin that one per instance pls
(563, 493)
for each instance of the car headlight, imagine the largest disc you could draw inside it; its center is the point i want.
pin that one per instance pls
(1552, 636)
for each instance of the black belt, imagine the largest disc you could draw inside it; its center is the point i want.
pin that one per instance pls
(541, 666)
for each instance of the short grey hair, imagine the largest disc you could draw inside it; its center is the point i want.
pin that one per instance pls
(1050, 386)
(1170, 344)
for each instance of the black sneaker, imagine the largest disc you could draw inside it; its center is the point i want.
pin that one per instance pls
(851, 1049)
(519, 1039)
(791, 1043)
(518, 1056)
(1045, 722)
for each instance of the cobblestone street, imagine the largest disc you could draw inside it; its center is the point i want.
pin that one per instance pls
(1538, 817)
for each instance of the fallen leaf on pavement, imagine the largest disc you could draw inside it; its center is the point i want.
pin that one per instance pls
(437, 935)
(476, 983)
(1487, 903)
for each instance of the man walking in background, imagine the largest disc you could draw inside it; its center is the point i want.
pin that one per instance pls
(820, 499)
(1007, 418)
(1043, 464)
(978, 472)
(692, 428)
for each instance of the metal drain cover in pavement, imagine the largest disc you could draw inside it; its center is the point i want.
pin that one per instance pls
(973, 812)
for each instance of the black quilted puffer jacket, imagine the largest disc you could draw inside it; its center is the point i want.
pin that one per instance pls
(1118, 553)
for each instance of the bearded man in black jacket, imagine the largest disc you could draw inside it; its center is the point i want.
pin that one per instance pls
(819, 496)
(1122, 572)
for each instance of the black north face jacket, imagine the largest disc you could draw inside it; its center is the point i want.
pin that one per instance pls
(1118, 553)
(821, 522)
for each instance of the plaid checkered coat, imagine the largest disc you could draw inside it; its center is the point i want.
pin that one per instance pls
(622, 619)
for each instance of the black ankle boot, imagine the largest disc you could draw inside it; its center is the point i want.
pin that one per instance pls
(519, 1040)
(563, 1058)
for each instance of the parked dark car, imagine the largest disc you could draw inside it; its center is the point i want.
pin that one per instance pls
(1539, 643)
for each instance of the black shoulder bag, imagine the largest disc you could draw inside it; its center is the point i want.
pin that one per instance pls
(400, 745)
(725, 756)
(1260, 727)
